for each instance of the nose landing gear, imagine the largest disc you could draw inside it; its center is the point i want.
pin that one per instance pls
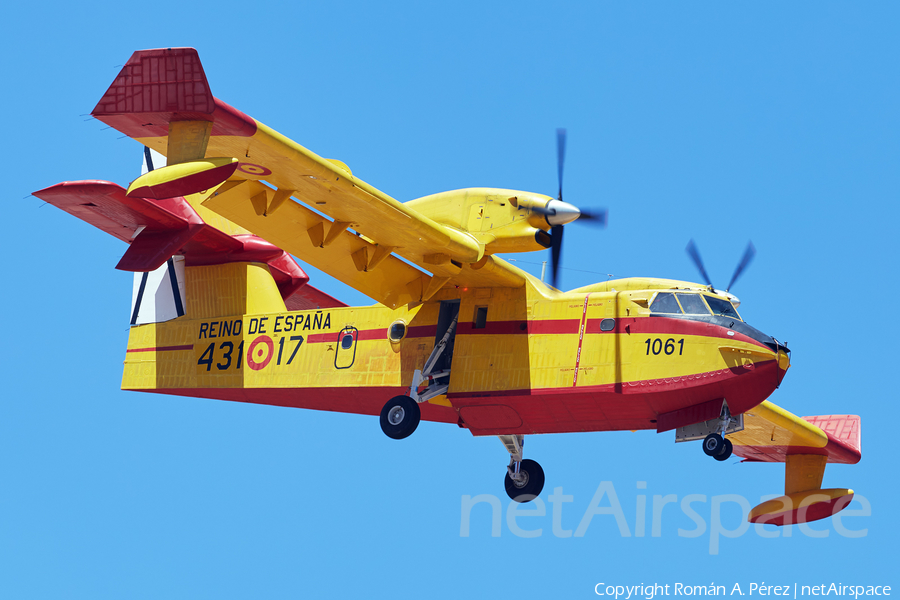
(718, 447)
(716, 444)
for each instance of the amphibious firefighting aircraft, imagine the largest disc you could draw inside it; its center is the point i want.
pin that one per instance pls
(457, 334)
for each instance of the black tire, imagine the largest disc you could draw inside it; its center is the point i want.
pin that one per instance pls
(400, 417)
(531, 488)
(727, 449)
(713, 444)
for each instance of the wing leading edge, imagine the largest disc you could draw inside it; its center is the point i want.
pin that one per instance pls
(771, 434)
(356, 232)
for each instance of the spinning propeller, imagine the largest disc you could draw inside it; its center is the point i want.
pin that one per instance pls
(558, 213)
(749, 253)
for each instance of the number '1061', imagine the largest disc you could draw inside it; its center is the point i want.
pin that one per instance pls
(656, 346)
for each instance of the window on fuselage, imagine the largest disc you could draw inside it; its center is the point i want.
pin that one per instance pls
(692, 304)
(347, 341)
(722, 308)
(665, 304)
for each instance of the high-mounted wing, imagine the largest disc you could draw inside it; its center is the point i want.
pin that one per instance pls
(805, 445)
(772, 434)
(162, 99)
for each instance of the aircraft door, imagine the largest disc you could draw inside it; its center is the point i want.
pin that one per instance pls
(345, 353)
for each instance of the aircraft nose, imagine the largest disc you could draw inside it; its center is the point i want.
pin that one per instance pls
(784, 363)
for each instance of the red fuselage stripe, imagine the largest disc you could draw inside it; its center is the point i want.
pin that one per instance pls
(646, 385)
(638, 325)
(362, 334)
(161, 348)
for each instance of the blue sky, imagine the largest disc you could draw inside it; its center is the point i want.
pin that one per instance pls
(718, 121)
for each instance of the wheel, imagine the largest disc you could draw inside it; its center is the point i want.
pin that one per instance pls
(727, 448)
(531, 484)
(400, 417)
(713, 444)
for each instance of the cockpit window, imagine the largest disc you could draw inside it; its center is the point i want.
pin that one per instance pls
(722, 307)
(692, 304)
(665, 303)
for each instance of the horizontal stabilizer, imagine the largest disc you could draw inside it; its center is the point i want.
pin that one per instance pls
(310, 298)
(150, 249)
(158, 229)
(105, 206)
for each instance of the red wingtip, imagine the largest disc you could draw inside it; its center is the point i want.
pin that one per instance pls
(162, 85)
(164, 80)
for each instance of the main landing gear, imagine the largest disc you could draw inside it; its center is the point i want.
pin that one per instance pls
(524, 478)
(400, 415)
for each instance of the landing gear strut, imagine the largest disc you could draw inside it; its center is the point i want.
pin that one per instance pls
(524, 478)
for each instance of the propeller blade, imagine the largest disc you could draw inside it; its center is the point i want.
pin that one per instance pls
(695, 256)
(749, 253)
(598, 217)
(560, 156)
(556, 237)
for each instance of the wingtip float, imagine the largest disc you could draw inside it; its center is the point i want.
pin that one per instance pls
(458, 336)
(801, 507)
(182, 179)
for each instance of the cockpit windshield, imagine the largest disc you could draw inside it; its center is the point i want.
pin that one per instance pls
(666, 303)
(692, 304)
(721, 307)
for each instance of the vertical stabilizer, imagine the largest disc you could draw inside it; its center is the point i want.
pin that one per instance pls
(158, 295)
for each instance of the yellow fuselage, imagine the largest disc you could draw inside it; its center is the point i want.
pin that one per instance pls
(528, 360)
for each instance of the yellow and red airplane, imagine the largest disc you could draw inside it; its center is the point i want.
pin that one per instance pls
(457, 334)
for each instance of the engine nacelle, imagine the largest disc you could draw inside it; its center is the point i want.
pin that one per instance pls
(502, 220)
